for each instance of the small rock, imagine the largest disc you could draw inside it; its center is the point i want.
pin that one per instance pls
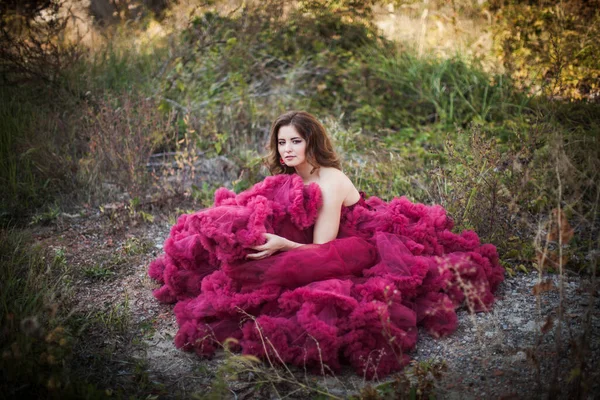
(520, 356)
(515, 320)
(529, 327)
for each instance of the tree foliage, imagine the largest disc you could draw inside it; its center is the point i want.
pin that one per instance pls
(32, 45)
(551, 46)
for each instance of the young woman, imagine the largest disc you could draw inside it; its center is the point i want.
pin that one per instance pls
(300, 145)
(302, 269)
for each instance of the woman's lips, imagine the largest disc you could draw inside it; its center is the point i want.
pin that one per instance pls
(289, 157)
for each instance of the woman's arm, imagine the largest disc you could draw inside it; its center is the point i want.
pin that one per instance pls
(273, 244)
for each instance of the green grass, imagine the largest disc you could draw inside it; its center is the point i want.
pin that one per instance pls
(129, 59)
(98, 272)
(115, 318)
(380, 87)
(411, 91)
(134, 246)
(41, 337)
(34, 341)
(21, 183)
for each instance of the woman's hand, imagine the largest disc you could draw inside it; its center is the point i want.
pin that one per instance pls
(273, 244)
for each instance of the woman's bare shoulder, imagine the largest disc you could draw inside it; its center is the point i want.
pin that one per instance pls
(334, 177)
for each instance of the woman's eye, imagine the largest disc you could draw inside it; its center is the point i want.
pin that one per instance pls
(296, 141)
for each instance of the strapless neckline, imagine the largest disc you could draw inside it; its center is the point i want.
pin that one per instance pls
(361, 200)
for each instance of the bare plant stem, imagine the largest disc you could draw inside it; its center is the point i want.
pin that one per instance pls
(292, 380)
(554, 388)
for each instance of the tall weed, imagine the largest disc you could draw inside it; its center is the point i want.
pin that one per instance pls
(123, 59)
(123, 133)
(35, 161)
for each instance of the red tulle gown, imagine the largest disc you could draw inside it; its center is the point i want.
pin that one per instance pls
(356, 300)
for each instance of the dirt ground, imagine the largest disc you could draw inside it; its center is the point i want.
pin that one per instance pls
(516, 351)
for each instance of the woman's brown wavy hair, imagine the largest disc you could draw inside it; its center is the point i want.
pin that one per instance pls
(319, 149)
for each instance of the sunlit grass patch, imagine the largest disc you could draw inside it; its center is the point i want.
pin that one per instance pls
(114, 265)
(98, 272)
(134, 246)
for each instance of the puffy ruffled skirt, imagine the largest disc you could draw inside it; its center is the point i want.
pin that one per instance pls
(356, 300)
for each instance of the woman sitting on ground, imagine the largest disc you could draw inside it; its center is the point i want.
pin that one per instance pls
(302, 269)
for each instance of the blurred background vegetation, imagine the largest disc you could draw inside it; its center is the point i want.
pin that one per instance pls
(479, 106)
(491, 109)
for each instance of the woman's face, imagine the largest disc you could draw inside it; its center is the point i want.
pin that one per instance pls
(291, 146)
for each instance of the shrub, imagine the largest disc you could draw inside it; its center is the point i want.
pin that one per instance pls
(551, 47)
(123, 133)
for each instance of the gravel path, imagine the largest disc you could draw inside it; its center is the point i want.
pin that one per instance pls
(497, 354)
